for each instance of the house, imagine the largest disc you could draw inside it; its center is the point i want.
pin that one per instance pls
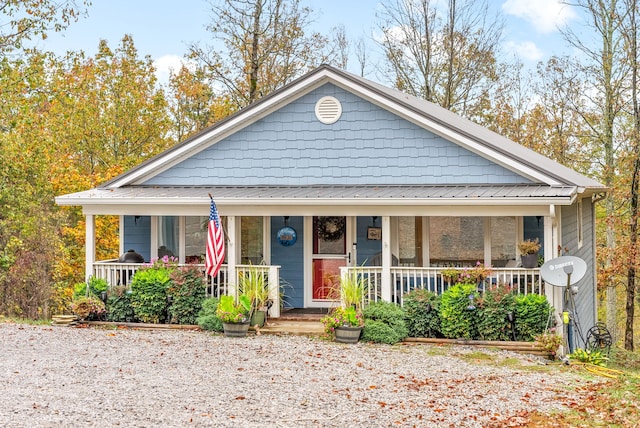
(334, 172)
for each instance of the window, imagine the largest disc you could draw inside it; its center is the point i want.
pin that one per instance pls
(503, 239)
(168, 229)
(195, 238)
(580, 230)
(251, 241)
(456, 241)
(410, 241)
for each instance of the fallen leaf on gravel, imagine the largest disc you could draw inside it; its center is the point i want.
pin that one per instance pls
(240, 397)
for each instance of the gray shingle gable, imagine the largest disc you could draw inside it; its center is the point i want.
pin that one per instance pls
(368, 145)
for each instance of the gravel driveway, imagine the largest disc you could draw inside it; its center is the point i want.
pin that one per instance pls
(65, 376)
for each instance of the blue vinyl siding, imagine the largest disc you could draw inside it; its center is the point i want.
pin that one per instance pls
(368, 145)
(291, 260)
(137, 235)
(585, 298)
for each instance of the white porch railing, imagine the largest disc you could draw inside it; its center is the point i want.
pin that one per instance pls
(116, 273)
(405, 279)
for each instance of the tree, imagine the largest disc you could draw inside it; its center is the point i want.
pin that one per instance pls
(193, 104)
(444, 56)
(265, 47)
(112, 112)
(605, 68)
(630, 33)
(67, 125)
(562, 133)
(26, 19)
(30, 243)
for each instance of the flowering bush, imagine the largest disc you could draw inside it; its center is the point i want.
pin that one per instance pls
(474, 275)
(342, 317)
(187, 290)
(162, 262)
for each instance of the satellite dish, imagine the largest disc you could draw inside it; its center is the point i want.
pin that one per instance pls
(563, 271)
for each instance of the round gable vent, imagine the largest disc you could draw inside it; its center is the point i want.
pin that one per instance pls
(328, 110)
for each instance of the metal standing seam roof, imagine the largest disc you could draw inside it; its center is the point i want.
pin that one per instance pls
(371, 193)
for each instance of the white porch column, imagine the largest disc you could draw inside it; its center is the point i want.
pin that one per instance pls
(555, 295)
(232, 254)
(89, 245)
(274, 292)
(386, 259)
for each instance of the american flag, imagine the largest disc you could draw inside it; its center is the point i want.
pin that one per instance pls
(215, 243)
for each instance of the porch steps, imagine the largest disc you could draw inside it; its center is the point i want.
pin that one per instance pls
(300, 327)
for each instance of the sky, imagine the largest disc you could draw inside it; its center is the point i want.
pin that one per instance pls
(163, 29)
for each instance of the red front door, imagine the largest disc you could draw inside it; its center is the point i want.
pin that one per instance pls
(329, 255)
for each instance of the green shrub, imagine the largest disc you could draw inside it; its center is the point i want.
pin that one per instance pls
(95, 287)
(457, 311)
(119, 308)
(532, 315)
(421, 313)
(379, 332)
(491, 317)
(207, 318)
(149, 294)
(384, 323)
(187, 290)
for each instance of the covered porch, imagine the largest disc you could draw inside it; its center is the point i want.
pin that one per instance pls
(399, 237)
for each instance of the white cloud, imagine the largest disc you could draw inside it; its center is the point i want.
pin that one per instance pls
(545, 15)
(167, 64)
(524, 50)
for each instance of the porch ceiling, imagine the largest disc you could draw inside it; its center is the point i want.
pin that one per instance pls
(321, 195)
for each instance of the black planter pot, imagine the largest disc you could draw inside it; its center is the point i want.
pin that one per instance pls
(529, 261)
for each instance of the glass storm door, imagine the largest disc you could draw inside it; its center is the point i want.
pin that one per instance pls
(329, 255)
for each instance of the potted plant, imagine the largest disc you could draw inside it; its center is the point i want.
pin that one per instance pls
(529, 252)
(344, 324)
(234, 316)
(253, 284)
(450, 275)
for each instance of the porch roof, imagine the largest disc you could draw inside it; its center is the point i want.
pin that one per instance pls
(322, 195)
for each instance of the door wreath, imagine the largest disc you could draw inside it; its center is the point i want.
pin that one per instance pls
(330, 228)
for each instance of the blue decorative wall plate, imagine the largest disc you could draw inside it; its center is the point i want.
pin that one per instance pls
(287, 236)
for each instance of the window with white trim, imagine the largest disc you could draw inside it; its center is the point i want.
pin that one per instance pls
(580, 231)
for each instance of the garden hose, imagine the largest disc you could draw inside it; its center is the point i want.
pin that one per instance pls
(603, 371)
